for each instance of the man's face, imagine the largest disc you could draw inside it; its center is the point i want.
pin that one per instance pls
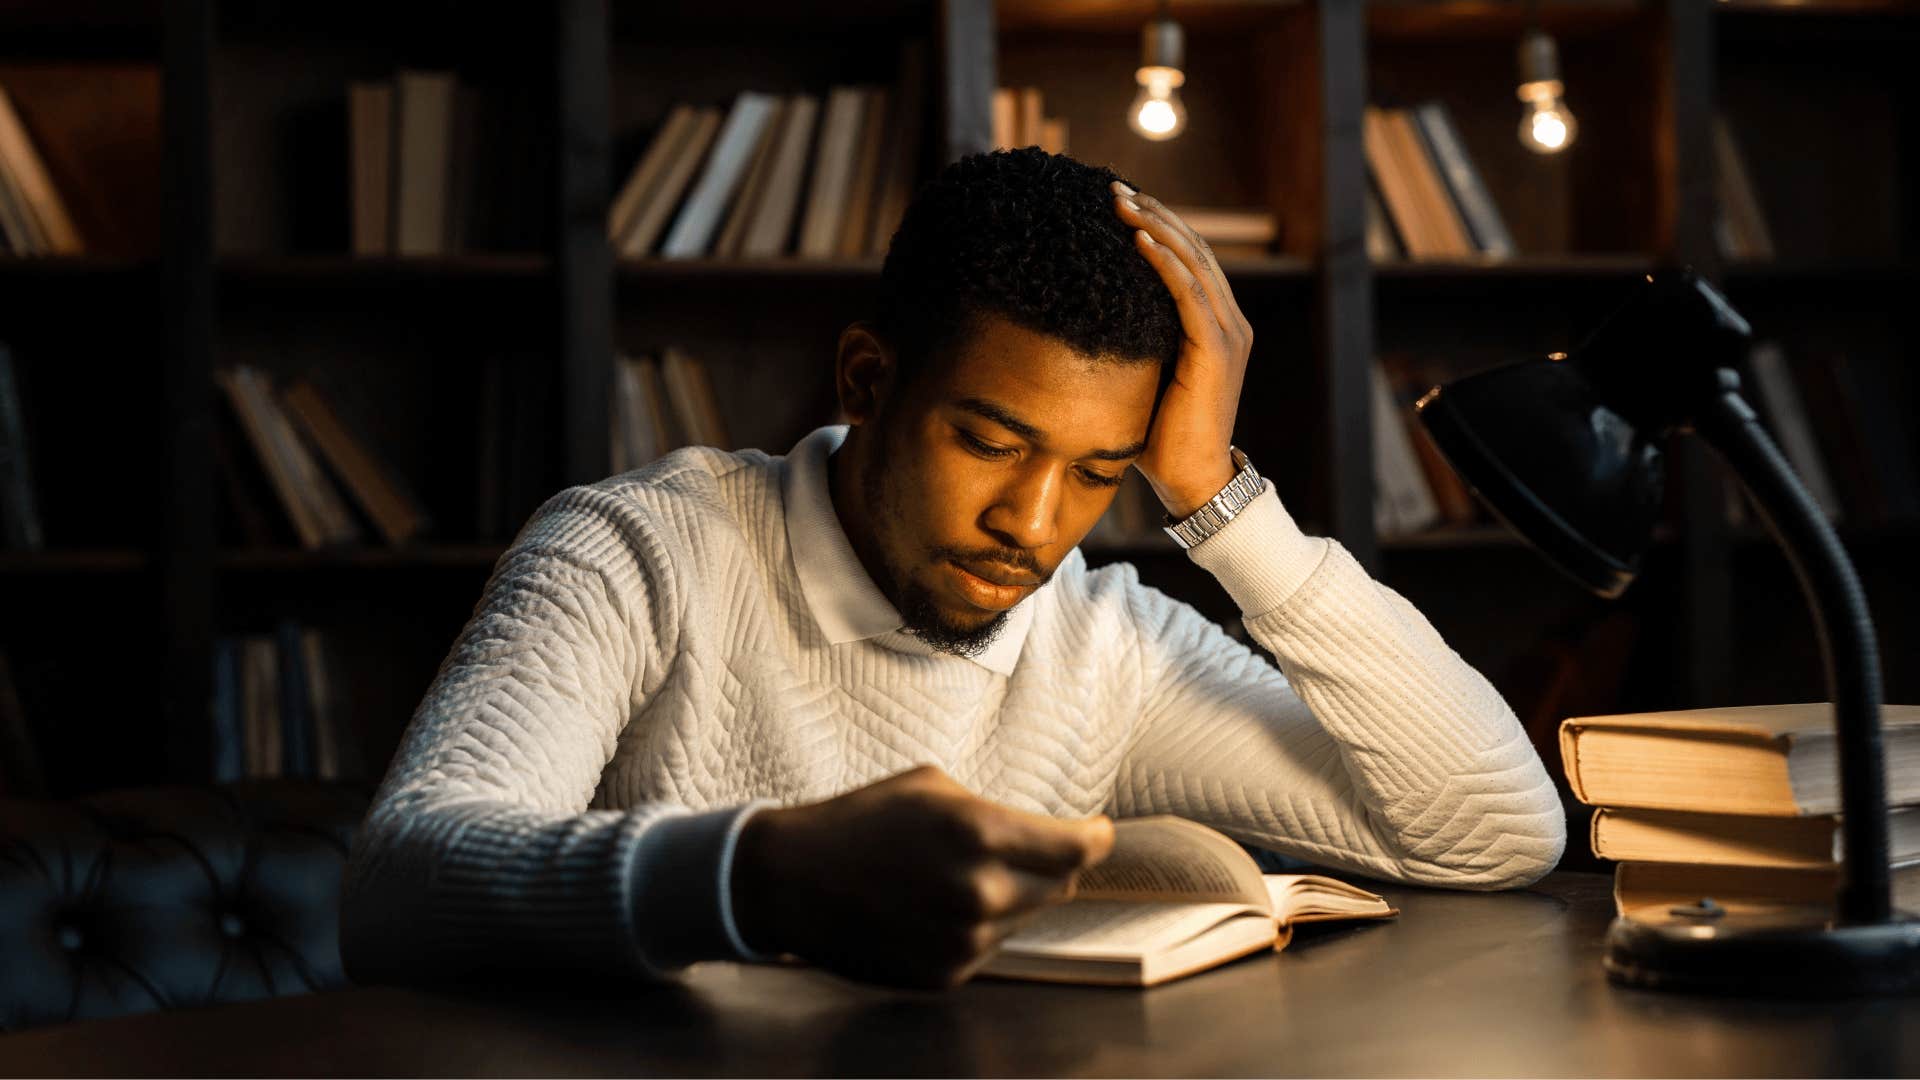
(985, 472)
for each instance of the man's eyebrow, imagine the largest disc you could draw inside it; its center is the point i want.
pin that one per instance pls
(1001, 415)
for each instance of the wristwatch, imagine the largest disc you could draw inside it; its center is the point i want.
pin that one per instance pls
(1214, 514)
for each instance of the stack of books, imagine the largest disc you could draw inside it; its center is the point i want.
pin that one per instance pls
(775, 175)
(1740, 805)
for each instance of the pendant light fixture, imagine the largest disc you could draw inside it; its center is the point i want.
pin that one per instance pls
(1546, 124)
(1157, 112)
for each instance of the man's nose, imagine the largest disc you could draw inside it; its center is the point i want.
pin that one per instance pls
(1026, 513)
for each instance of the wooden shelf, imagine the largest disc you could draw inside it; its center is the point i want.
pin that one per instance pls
(75, 561)
(728, 270)
(88, 268)
(1517, 268)
(381, 272)
(769, 16)
(1788, 8)
(1127, 16)
(1428, 19)
(428, 557)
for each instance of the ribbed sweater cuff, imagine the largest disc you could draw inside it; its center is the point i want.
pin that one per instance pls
(1261, 557)
(682, 887)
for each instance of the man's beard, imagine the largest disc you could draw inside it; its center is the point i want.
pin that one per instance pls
(915, 603)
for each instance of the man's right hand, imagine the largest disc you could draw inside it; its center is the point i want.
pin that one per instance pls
(911, 881)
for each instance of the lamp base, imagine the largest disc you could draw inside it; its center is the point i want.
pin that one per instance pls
(1789, 952)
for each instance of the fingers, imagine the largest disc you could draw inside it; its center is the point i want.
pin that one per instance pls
(1048, 845)
(1167, 229)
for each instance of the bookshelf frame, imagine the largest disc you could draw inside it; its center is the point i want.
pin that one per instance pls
(1314, 176)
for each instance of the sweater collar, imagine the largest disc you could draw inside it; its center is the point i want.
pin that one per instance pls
(842, 597)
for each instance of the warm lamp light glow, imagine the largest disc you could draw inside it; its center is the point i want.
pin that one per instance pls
(1547, 126)
(1157, 112)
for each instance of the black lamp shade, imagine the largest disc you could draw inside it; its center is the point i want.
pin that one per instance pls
(1577, 479)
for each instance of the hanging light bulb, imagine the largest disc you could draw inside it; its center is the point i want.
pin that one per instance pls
(1157, 112)
(1547, 126)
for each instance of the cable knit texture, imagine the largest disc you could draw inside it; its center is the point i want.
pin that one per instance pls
(643, 665)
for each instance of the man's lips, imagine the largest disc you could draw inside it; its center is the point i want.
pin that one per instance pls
(998, 576)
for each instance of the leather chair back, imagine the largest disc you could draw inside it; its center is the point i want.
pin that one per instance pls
(162, 898)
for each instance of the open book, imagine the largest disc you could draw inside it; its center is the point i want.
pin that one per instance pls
(1174, 898)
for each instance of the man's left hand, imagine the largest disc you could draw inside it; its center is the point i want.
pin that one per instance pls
(1187, 459)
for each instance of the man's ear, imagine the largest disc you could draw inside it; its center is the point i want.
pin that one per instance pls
(864, 372)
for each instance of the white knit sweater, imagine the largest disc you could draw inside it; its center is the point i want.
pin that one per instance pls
(643, 666)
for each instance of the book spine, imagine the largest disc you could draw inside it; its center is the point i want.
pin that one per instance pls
(693, 230)
(1403, 503)
(770, 232)
(229, 740)
(296, 717)
(370, 134)
(42, 199)
(903, 143)
(1006, 117)
(20, 525)
(646, 172)
(422, 157)
(658, 207)
(1462, 180)
(832, 162)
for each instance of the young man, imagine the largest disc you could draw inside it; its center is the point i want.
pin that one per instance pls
(865, 704)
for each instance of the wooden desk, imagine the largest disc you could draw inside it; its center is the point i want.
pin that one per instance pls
(1502, 984)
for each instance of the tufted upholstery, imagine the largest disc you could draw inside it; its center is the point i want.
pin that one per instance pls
(160, 898)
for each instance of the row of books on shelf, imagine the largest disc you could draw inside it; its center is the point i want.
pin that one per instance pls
(1740, 805)
(317, 467)
(661, 404)
(1428, 200)
(291, 430)
(1020, 119)
(777, 175)
(34, 220)
(278, 709)
(420, 180)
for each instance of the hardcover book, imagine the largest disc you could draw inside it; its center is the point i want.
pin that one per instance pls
(1174, 898)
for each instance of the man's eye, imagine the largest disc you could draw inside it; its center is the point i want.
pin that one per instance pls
(1100, 479)
(982, 447)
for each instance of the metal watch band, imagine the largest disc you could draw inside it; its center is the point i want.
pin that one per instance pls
(1213, 515)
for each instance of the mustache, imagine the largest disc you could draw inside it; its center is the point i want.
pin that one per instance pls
(1015, 562)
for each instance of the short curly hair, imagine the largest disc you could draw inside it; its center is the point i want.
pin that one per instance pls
(1032, 237)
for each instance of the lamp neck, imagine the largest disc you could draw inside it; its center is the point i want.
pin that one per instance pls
(1847, 645)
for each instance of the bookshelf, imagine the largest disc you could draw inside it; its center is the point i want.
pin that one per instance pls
(250, 264)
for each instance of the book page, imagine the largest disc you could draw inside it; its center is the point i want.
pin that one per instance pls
(1169, 858)
(1296, 895)
(1118, 928)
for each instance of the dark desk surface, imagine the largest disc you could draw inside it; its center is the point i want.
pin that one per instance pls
(1502, 984)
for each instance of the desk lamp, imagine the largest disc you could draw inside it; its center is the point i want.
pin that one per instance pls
(1569, 452)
